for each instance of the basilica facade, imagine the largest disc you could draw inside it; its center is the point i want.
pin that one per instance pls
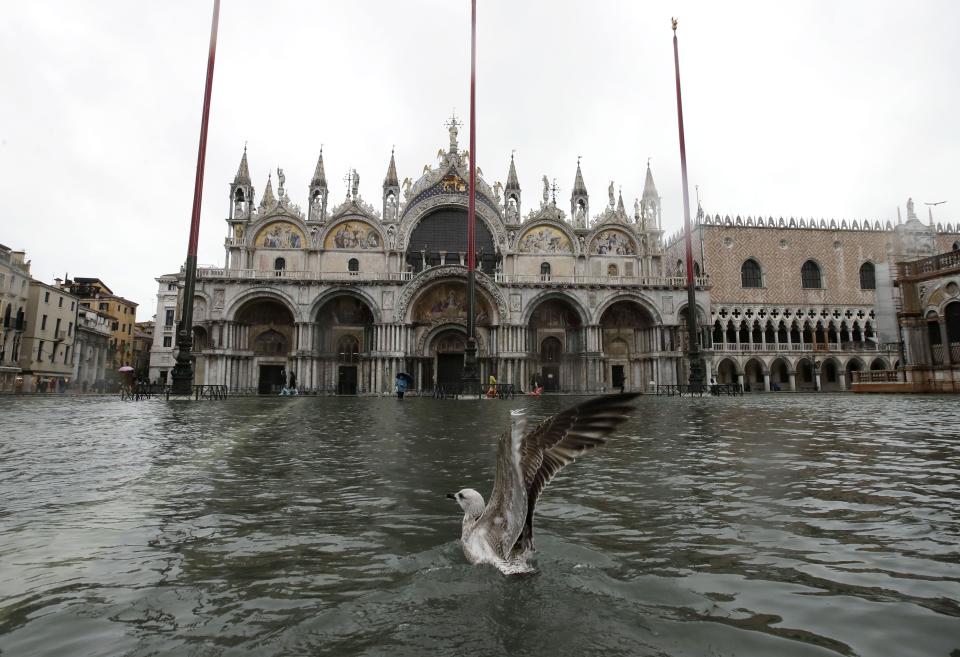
(343, 296)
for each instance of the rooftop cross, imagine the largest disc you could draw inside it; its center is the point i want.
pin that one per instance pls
(553, 191)
(348, 179)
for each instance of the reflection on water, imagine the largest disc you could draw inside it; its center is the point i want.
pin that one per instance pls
(774, 525)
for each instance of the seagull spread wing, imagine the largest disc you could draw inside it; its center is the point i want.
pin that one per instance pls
(557, 442)
(505, 513)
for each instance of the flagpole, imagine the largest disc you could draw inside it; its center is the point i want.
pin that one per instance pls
(693, 334)
(182, 373)
(471, 377)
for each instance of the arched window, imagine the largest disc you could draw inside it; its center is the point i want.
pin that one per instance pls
(544, 271)
(868, 276)
(717, 332)
(696, 269)
(750, 274)
(810, 276)
(353, 265)
(6, 317)
(279, 265)
(612, 270)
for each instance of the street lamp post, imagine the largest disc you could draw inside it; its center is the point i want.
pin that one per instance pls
(182, 373)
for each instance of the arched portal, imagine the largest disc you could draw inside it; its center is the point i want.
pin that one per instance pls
(806, 380)
(830, 375)
(269, 332)
(727, 371)
(443, 304)
(779, 375)
(343, 339)
(628, 336)
(753, 376)
(559, 362)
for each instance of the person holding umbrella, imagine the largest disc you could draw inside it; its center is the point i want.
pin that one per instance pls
(401, 384)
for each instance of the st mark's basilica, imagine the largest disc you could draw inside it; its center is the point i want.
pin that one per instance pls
(345, 295)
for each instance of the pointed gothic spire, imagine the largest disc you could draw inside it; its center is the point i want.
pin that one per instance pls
(243, 172)
(578, 186)
(268, 199)
(391, 179)
(649, 189)
(512, 182)
(319, 175)
(620, 208)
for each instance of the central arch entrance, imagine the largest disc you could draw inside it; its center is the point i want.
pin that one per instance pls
(438, 318)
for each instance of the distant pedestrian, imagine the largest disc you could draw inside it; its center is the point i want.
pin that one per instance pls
(401, 385)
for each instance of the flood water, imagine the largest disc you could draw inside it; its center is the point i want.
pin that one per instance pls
(774, 525)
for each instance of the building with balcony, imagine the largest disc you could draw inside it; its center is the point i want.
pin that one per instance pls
(806, 305)
(14, 299)
(46, 352)
(344, 296)
(95, 294)
(930, 322)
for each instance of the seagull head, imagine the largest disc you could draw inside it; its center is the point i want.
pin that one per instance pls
(469, 500)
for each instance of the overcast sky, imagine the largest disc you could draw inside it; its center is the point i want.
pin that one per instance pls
(823, 109)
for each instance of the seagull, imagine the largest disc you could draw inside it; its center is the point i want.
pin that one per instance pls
(501, 532)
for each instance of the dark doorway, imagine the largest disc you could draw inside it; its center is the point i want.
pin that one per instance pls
(271, 379)
(347, 380)
(551, 378)
(618, 378)
(449, 369)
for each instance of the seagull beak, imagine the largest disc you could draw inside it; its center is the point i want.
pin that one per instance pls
(451, 496)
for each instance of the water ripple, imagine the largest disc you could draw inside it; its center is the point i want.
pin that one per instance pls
(767, 525)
